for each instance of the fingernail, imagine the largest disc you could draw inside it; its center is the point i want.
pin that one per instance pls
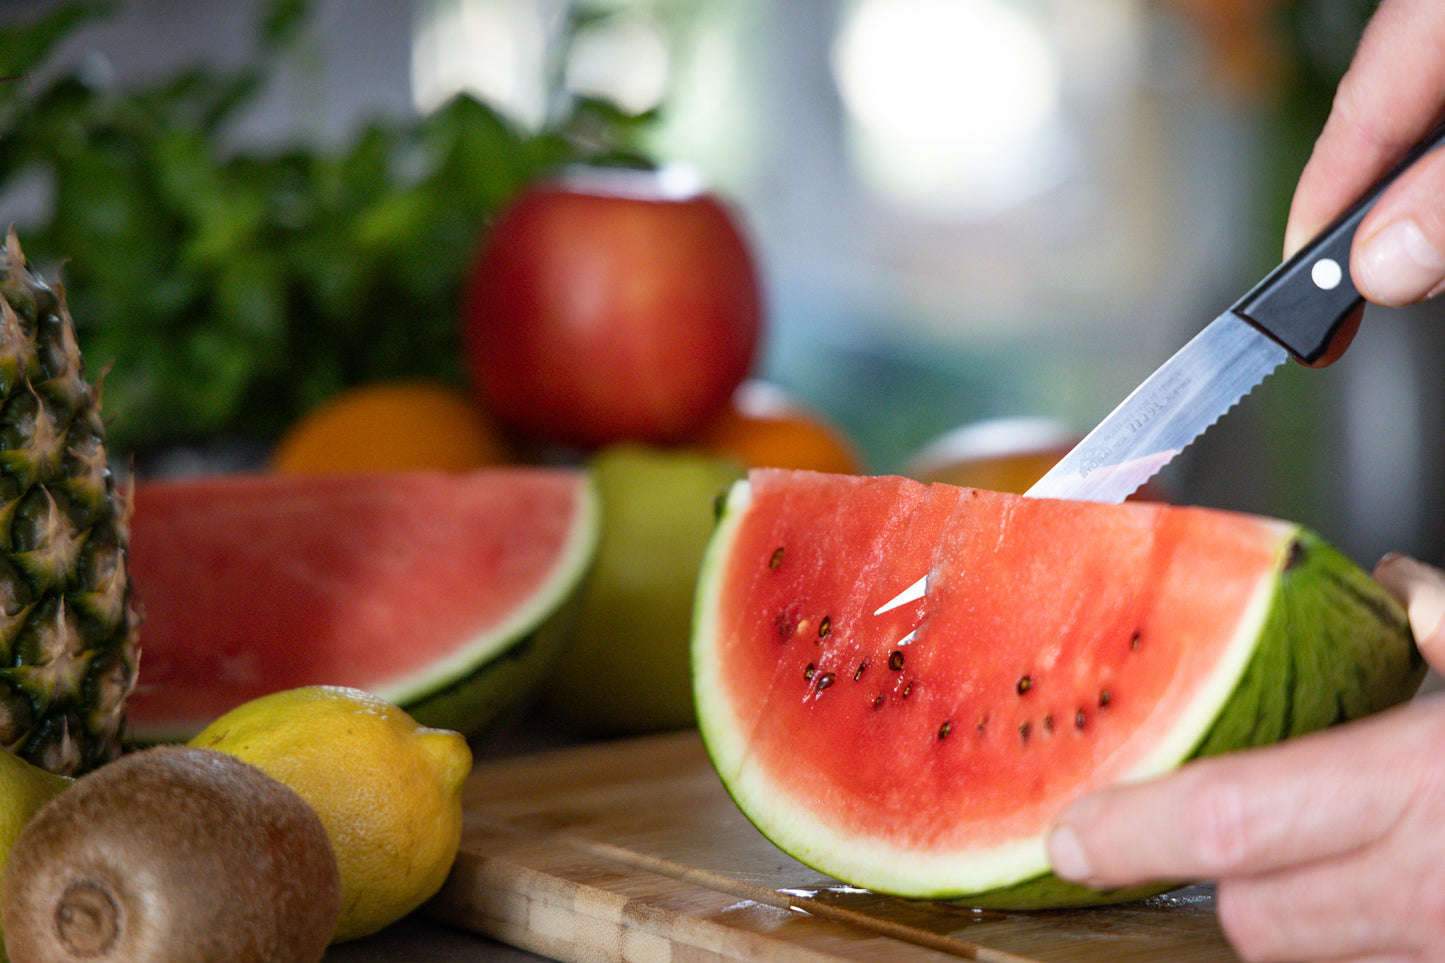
(1067, 856)
(1399, 265)
(1420, 587)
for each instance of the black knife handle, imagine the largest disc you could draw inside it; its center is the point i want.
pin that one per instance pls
(1303, 302)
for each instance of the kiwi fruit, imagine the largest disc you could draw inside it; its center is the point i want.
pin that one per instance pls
(171, 854)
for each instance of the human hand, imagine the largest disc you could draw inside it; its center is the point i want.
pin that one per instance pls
(1391, 96)
(1326, 847)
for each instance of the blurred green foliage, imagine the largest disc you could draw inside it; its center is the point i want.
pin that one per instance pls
(224, 291)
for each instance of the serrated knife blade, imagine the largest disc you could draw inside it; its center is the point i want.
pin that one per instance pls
(1297, 309)
(1174, 405)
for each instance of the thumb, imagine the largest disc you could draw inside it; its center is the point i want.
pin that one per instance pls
(1421, 589)
(1399, 254)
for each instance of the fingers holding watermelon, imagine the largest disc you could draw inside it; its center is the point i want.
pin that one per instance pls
(1234, 815)
(1422, 589)
(1325, 847)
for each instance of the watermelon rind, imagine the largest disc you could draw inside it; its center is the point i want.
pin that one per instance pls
(496, 677)
(1320, 643)
(1334, 647)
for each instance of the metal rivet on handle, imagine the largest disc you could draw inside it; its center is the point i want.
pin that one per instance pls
(1327, 274)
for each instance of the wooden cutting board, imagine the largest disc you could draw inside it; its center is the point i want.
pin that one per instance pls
(632, 850)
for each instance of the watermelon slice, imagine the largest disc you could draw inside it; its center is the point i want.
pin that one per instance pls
(445, 593)
(1062, 645)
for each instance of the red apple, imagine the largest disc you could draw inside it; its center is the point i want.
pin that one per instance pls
(611, 305)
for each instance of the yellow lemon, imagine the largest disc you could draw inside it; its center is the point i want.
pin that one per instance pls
(388, 791)
(24, 788)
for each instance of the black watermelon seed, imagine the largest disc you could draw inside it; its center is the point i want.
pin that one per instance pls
(878, 701)
(776, 558)
(895, 661)
(824, 680)
(809, 672)
(906, 690)
(1024, 729)
(1104, 698)
(1080, 720)
(859, 674)
(825, 626)
(945, 729)
(1025, 683)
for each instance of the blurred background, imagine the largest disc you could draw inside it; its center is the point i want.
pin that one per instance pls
(965, 210)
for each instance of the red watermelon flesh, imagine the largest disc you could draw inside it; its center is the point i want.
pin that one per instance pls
(1061, 646)
(404, 584)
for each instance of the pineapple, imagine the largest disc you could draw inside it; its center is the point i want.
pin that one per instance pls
(67, 626)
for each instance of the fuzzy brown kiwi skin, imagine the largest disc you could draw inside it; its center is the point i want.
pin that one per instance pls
(171, 854)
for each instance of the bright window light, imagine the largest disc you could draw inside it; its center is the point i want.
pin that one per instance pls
(492, 49)
(497, 51)
(951, 103)
(622, 58)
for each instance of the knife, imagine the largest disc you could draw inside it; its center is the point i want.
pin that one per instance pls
(1296, 310)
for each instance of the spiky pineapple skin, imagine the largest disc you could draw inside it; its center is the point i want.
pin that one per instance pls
(68, 628)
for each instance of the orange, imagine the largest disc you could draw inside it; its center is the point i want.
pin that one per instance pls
(763, 428)
(391, 426)
(1002, 454)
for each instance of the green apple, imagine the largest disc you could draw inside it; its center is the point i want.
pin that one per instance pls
(626, 669)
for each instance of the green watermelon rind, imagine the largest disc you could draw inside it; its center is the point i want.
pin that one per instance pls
(500, 672)
(507, 683)
(1366, 661)
(1333, 646)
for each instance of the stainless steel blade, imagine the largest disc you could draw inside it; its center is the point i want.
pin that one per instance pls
(1173, 406)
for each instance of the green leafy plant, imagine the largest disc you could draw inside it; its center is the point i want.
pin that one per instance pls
(226, 290)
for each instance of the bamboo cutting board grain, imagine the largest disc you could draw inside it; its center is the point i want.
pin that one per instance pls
(633, 851)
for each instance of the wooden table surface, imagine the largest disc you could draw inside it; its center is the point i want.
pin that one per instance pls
(632, 850)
